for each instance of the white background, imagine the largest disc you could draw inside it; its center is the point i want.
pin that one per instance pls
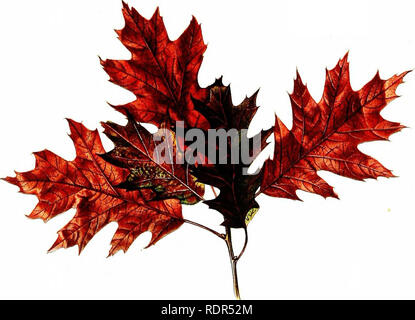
(362, 246)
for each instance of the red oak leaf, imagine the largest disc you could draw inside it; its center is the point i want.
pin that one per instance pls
(325, 135)
(236, 200)
(88, 184)
(135, 150)
(161, 73)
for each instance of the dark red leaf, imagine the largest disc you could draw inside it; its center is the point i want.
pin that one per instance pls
(135, 150)
(236, 199)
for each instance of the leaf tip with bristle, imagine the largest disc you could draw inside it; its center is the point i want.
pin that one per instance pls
(346, 56)
(53, 247)
(11, 180)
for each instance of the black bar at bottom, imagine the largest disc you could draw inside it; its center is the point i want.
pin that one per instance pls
(197, 309)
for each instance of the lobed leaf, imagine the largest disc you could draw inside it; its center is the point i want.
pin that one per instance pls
(326, 135)
(161, 73)
(89, 184)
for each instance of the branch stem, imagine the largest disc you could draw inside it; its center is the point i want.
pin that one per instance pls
(233, 260)
(245, 245)
(227, 237)
(218, 234)
(214, 192)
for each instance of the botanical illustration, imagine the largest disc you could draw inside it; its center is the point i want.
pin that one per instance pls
(202, 142)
